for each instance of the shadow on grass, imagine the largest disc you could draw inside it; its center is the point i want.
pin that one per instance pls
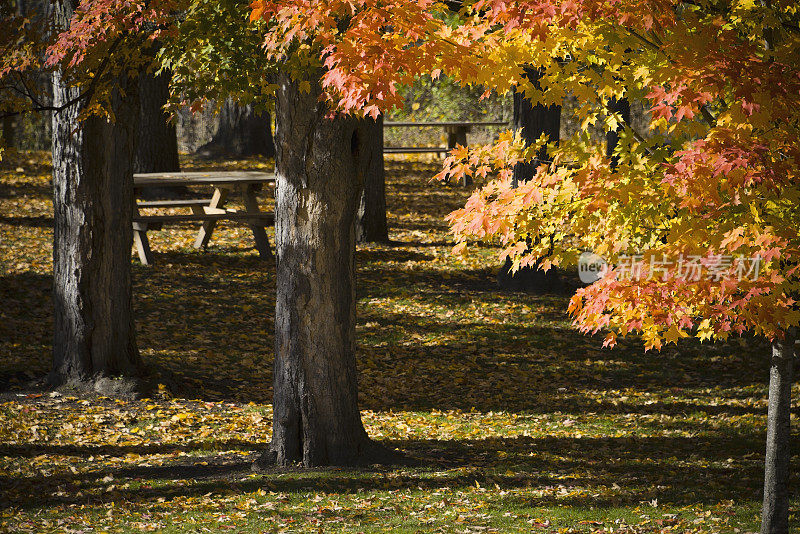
(607, 471)
(36, 449)
(12, 190)
(25, 326)
(206, 321)
(31, 222)
(210, 260)
(369, 256)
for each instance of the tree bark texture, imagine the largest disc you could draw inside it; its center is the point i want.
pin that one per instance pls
(775, 509)
(316, 417)
(156, 139)
(242, 132)
(371, 226)
(93, 206)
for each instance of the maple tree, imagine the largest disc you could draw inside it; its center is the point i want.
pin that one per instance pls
(91, 51)
(715, 174)
(95, 51)
(566, 418)
(714, 177)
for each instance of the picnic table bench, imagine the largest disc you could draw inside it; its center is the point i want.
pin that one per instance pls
(456, 134)
(204, 210)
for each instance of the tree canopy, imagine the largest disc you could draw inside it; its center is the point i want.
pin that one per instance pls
(711, 186)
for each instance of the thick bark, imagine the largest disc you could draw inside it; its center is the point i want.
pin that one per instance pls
(316, 417)
(156, 139)
(775, 510)
(242, 132)
(371, 226)
(623, 107)
(93, 207)
(533, 121)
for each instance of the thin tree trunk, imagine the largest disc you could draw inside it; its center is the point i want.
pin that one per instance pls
(623, 107)
(93, 207)
(316, 417)
(156, 139)
(371, 226)
(533, 121)
(9, 132)
(775, 511)
(242, 132)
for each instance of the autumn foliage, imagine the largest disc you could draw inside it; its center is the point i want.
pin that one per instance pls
(714, 177)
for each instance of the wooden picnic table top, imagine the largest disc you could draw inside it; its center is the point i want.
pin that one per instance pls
(162, 179)
(446, 124)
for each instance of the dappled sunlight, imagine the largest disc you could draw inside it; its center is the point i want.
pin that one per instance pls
(516, 421)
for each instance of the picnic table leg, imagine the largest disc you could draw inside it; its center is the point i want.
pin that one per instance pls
(217, 201)
(142, 244)
(456, 135)
(259, 233)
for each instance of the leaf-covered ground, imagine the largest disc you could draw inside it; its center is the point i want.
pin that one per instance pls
(519, 423)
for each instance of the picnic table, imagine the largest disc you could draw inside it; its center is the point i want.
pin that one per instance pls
(456, 134)
(203, 210)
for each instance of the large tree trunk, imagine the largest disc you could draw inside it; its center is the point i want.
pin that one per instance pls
(316, 417)
(93, 206)
(156, 139)
(775, 510)
(533, 121)
(242, 132)
(371, 226)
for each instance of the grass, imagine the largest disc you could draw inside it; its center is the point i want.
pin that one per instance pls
(519, 423)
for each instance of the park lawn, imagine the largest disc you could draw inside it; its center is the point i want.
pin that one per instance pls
(514, 420)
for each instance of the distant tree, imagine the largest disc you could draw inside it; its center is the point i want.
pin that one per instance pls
(8, 133)
(22, 22)
(211, 58)
(532, 121)
(241, 132)
(371, 225)
(156, 139)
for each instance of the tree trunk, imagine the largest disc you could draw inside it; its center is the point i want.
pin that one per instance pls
(623, 107)
(775, 511)
(371, 226)
(316, 417)
(93, 206)
(9, 132)
(156, 139)
(533, 121)
(242, 132)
